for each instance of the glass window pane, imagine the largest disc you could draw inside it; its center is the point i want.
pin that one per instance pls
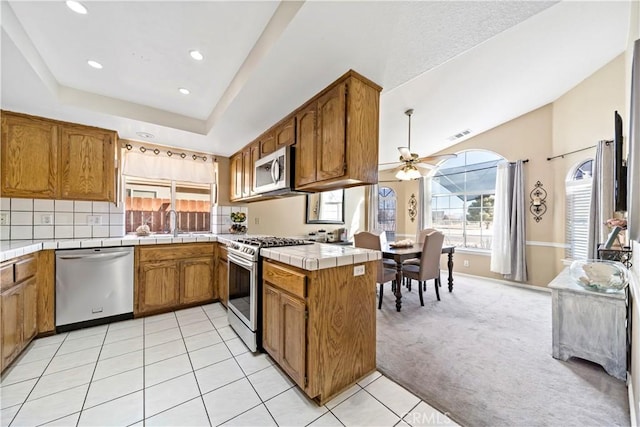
(193, 207)
(146, 203)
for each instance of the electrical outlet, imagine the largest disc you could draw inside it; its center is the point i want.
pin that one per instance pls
(4, 219)
(46, 219)
(358, 270)
(257, 220)
(94, 220)
(465, 263)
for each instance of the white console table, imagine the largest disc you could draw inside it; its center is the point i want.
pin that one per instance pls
(590, 325)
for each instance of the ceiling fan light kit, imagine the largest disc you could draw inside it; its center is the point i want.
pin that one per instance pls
(411, 164)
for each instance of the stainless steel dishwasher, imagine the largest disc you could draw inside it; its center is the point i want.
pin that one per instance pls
(93, 286)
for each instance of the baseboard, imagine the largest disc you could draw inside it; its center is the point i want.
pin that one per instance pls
(632, 407)
(504, 282)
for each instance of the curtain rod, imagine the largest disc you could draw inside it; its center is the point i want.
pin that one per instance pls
(170, 153)
(577, 151)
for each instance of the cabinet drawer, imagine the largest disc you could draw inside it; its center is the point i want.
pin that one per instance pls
(285, 279)
(6, 275)
(26, 268)
(171, 252)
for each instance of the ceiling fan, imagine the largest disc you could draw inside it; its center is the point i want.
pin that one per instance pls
(411, 165)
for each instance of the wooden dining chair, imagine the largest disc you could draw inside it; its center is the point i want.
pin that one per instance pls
(429, 267)
(369, 240)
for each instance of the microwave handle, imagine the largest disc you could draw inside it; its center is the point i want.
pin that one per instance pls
(275, 170)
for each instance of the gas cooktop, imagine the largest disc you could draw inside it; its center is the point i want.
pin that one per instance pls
(271, 241)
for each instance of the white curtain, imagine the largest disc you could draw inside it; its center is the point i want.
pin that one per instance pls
(161, 166)
(633, 171)
(508, 246)
(501, 240)
(371, 196)
(602, 205)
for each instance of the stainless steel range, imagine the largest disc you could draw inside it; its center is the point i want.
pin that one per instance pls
(245, 285)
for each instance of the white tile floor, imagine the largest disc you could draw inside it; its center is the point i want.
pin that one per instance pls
(186, 368)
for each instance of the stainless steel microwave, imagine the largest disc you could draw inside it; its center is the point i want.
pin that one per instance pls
(273, 173)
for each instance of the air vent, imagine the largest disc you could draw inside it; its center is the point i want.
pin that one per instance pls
(459, 135)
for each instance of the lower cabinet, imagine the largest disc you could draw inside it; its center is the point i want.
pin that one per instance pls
(173, 276)
(18, 307)
(320, 326)
(223, 275)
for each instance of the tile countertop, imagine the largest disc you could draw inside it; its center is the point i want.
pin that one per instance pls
(309, 257)
(320, 255)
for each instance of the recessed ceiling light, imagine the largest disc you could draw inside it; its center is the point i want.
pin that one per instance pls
(184, 91)
(195, 54)
(144, 135)
(77, 7)
(94, 64)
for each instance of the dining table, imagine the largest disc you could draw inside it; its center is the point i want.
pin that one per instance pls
(401, 254)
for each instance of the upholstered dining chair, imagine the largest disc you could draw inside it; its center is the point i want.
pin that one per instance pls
(429, 267)
(420, 236)
(368, 240)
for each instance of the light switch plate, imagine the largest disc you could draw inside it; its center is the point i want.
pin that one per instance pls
(4, 219)
(94, 220)
(358, 270)
(46, 219)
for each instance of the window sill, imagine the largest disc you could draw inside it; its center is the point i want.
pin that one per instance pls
(471, 251)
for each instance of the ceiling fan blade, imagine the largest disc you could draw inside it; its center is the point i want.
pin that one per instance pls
(390, 163)
(437, 158)
(425, 166)
(405, 153)
(389, 167)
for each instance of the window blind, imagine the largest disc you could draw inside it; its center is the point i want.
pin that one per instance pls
(577, 218)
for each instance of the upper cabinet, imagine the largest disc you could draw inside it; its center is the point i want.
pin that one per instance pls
(334, 135)
(343, 144)
(87, 159)
(236, 175)
(29, 157)
(48, 159)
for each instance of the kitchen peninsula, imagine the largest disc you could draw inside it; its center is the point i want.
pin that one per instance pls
(319, 304)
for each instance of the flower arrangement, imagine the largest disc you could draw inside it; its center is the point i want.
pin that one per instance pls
(238, 218)
(616, 222)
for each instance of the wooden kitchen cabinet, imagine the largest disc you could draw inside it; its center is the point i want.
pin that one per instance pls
(173, 276)
(29, 157)
(339, 148)
(197, 282)
(50, 159)
(320, 325)
(267, 143)
(285, 133)
(87, 163)
(18, 307)
(222, 275)
(236, 176)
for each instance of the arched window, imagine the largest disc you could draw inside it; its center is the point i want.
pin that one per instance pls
(462, 197)
(386, 209)
(578, 200)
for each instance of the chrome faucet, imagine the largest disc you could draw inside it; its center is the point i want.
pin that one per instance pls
(175, 222)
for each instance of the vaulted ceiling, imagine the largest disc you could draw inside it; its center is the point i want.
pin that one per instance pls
(460, 64)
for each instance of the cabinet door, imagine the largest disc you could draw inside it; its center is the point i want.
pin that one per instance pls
(331, 154)
(11, 301)
(254, 155)
(306, 146)
(286, 134)
(271, 321)
(267, 143)
(293, 337)
(87, 159)
(197, 280)
(235, 170)
(29, 309)
(29, 158)
(159, 286)
(223, 281)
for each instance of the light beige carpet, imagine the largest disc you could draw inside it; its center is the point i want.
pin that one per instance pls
(483, 355)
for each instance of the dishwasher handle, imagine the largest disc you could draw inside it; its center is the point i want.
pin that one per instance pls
(102, 257)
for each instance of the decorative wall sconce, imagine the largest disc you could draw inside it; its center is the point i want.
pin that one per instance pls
(538, 205)
(413, 207)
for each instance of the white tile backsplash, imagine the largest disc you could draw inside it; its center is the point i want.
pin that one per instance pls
(64, 205)
(81, 231)
(5, 203)
(101, 207)
(21, 204)
(5, 232)
(80, 218)
(82, 206)
(100, 231)
(63, 232)
(21, 218)
(20, 232)
(63, 218)
(116, 231)
(116, 209)
(41, 218)
(40, 205)
(116, 219)
(43, 232)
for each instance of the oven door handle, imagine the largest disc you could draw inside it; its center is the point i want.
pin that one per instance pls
(240, 261)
